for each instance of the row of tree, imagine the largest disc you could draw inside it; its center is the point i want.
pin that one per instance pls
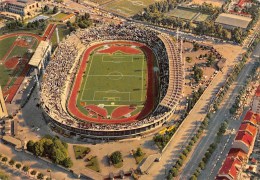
(210, 150)
(52, 148)
(179, 163)
(19, 166)
(155, 14)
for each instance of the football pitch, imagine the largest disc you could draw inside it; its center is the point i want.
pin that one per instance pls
(114, 79)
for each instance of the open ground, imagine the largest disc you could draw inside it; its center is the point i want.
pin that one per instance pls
(126, 7)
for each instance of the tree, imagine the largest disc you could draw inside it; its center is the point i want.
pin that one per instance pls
(46, 8)
(193, 177)
(55, 10)
(198, 73)
(67, 163)
(40, 176)
(38, 149)
(116, 157)
(4, 159)
(18, 165)
(26, 168)
(174, 172)
(139, 152)
(11, 162)
(202, 165)
(30, 146)
(33, 172)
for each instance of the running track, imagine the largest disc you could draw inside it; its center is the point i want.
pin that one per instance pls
(72, 108)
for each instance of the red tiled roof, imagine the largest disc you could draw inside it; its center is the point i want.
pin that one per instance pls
(237, 153)
(251, 117)
(257, 92)
(245, 137)
(230, 167)
(241, 2)
(248, 128)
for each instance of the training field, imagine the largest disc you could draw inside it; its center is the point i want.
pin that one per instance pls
(183, 13)
(201, 18)
(127, 7)
(111, 83)
(14, 57)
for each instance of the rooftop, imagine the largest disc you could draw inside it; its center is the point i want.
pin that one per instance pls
(38, 54)
(245, 137)
(230, 167)
(251, 117)
(237, 154)
(248, 128)
(233, 20)
(257, 92)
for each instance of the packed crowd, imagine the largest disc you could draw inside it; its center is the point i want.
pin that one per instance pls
(58, 69)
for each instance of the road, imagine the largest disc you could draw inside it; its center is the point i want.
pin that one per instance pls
(188, 128)
(218, 118)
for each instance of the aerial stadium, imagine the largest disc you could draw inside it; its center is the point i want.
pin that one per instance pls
(112, 82)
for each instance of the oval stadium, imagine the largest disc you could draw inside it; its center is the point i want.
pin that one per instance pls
(112, 82)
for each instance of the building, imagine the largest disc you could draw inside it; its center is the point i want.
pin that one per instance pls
(256, 102)
(230, 169)
(3, 110)
(41, 56)
(252, 118)
(231, 21)
(244, 3)
(24, 8)
(244, 141)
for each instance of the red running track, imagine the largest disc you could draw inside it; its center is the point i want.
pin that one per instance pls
(124, 49)
(72, 103)
(11, 92)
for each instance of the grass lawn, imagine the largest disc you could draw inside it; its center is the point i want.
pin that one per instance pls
(3, 176)
(127, 7)
(183, 13)
(93, 164)
(118, 165)
(4, 74)
(5, 45)
(202, 17)
(80, 151)
(139, 159)
(114, 79)
(63, 31)
(60, 16)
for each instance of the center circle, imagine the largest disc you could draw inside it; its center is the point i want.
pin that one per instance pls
(115, 75)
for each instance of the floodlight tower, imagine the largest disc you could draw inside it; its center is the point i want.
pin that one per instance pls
(57, 35)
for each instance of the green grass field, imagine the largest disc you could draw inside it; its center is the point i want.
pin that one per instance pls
(63, 31)
(5, 45)
(182, 13)
(202, 17)
(127, 7)
(60, 16)
(112, 80)
(17, 51)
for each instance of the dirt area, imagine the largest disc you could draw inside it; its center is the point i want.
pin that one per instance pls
(217, 3)
(208, 72)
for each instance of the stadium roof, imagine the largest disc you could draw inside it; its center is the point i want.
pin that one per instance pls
(39, 53)
(233, 20)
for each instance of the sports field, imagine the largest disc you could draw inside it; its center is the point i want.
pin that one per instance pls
(112, 83)
(127, 7)
(14, 57)
(201, 17)
(183, 13)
